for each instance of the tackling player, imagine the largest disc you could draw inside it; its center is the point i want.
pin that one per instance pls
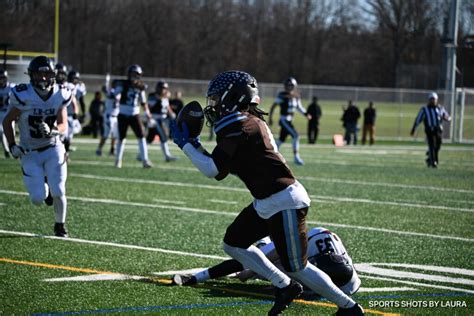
(325, 250)
(131, 94)
(161, 112)
(5, 88)
(40, 108)
(289, 101)
(246, 148)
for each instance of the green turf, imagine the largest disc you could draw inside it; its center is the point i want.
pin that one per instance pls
(382, 187)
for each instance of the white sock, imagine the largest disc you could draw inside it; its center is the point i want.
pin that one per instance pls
(120, 149)
(202, 276)
(254, 258)
(321, 284)
(143, 148)
(60, 205)
(166, 149)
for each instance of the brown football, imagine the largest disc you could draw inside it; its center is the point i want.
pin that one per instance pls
(193, 116)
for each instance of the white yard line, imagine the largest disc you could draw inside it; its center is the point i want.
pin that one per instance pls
(385, 289)
(367, 201)
(218, 187)
(383, 184)
(111, 244)
(454, 289)
(169, 201)
(233, 214)
(222, 201)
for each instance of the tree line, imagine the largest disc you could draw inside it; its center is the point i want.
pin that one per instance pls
(384, 43)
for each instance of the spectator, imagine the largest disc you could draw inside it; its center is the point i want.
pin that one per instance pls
(95, 110)
(349, 118)
(313, 124)
(369, 124)
(432, 115)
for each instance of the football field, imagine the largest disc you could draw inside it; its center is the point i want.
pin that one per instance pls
(409, 230)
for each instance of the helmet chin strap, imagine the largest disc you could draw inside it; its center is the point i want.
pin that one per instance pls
(43, 92)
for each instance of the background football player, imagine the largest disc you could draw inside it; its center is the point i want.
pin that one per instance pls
(110, 125)
(161, 112)
(40, 108)
(246, 148)
(5, 88)
(131, 93)
(325, 250)
(78, 91)
(289, 102)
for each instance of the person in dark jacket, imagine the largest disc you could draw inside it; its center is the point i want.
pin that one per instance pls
(349, 118)
(313, 124)
(369, 124)
(95, 110)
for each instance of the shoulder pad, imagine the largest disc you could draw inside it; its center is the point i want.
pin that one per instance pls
(21, 87)
(230, 125)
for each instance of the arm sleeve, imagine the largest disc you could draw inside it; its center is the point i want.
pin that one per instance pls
(418, 119)
(300, 107)
(204, 163)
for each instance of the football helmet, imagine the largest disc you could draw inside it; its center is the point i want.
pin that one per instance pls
(229, 92)
(134, 72)
(336, 266)
(73, 76)
(61, 73)
(41, 72)
(3, 78)
(290, 84)
(160, 86)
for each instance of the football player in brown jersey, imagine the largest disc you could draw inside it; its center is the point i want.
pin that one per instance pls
(246, 148)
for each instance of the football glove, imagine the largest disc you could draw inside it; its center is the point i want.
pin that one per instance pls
(47, 131)
(180, 136)
(16, 151)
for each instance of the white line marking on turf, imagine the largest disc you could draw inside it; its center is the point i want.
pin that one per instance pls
(98, 277)
(371, 269)
(104, 243)
(170, 183)
(188, 271)
(367, 201)
(400, 232)
(384, 184)
(223, 202)
(169, 201)
(216, 187)
(455, 289)
(385, 289)
(196, 210)
(428, 268)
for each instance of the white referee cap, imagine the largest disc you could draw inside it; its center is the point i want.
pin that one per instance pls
(433, 95)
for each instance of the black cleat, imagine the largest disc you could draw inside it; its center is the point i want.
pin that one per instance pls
(284, 297)
(49, 199)
(60, 230)
(355, 310)
(183, 279)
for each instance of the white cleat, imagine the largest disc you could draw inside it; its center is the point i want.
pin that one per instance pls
(147, 164)
(299, 161)
(118, 164)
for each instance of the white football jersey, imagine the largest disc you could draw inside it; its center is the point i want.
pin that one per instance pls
(130, 98)
(35, 110)
(111, 103)
(158, 107)
(5, 97)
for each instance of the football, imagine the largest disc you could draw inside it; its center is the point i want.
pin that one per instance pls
(193, 116)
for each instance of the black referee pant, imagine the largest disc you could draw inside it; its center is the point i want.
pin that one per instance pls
(434, 139)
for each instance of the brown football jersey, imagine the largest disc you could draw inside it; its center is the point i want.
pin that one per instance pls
(245, 147)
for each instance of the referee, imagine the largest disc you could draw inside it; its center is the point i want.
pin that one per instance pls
(432, 115)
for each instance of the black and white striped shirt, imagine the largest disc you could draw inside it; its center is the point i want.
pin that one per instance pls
(432, 117)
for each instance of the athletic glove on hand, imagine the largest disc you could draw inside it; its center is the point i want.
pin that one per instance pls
(180, 136)
(47, 131)
(16, 151)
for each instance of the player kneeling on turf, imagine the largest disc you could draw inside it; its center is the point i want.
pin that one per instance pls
(325, 250)
(246, 148)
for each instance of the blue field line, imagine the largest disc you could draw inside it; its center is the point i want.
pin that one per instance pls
(151, 308)
(395, 296)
